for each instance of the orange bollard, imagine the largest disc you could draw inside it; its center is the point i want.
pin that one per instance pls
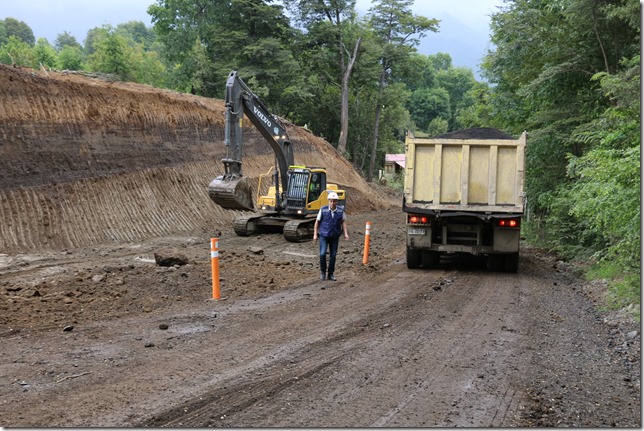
(214, 263)
(367, 240)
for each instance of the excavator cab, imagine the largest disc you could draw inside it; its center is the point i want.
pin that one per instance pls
(305, 186)
(317, 183)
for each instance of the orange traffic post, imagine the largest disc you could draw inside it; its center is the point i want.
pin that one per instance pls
(367, 240)
(214, 262)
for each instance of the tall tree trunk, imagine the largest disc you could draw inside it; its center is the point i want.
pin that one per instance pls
(376, 127)
(344, 111)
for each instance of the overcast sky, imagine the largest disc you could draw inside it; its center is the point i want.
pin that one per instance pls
(464, 28)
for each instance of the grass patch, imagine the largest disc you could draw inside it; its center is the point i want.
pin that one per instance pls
(623, 287)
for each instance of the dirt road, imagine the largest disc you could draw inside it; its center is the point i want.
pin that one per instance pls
(383, 346)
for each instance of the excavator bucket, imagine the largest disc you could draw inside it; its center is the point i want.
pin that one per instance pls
(233, 194)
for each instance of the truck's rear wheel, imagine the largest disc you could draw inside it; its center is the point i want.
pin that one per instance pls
(413, 258)
(430, 259)
(495, 262)
(511, 262)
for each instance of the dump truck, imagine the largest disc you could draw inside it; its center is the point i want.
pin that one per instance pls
(464, 193)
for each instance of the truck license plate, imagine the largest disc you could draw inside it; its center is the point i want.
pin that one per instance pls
(415, 231)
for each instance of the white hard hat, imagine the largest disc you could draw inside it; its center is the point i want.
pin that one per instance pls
(332, 195)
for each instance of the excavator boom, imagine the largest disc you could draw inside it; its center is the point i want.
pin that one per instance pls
(232, 190)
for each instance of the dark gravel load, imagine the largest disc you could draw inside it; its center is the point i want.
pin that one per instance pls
(476, 133)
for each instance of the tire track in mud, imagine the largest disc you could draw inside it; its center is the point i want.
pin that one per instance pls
(466, 392)
(424, 344)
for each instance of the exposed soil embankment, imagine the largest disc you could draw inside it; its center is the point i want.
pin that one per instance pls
(87, 161)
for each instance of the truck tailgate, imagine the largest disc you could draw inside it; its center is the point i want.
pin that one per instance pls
(465, 174)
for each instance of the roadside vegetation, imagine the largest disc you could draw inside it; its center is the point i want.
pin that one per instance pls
(567, 71)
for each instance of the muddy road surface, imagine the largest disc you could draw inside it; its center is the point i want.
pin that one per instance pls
(103, 336)
(99, 178)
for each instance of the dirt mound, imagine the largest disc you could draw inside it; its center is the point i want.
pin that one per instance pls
(88, 161)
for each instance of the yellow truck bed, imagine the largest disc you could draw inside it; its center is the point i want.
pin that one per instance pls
(482, 175)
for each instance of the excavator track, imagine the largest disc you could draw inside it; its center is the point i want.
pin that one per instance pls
(299, 230)
(294, 230)
(246, 225)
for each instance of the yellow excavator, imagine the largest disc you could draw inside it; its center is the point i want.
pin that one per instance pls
(297, 192)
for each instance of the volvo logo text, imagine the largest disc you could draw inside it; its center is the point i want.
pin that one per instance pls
(261, 116)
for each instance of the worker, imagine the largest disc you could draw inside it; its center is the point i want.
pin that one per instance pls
(314, 188)
(330, 224)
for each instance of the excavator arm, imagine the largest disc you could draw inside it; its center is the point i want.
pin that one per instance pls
(231, 190)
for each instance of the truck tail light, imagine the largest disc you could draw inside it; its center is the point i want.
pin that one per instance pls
(417, 219)
(509, 222)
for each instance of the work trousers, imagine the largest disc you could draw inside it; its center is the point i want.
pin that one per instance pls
(330, 243)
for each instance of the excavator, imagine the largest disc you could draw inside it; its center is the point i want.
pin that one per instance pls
(297, 192)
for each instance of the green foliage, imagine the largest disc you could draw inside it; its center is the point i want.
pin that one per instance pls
(457, 81)
(427, 104)
(45, 54)
(558, 72)
(147, 67)
(65, 39)
(441, 91)
(397, 182)
(233, 35)
(437, 126)
(477, 113)
(92, 34)
(3, 33)
(70, 58)
(606, 191)
(138, 33)
(17, 52)
(398, 32)
(20, 30)
(624, 289)
(111, 54)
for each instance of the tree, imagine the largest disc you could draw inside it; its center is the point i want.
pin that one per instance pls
(437, 126)
(45, 54)
(3, 33)
(138, 32)
(90, 38)
(111, 54)
(70, 58)
(65, 39)
(427, 104)
(606, 191)
(335, 18)
(477, 113)
(20, 30)
(544, 71)
(439, 90)
(147, 66)
(457, 81)
(17, 52)
(250, 36)
(399, 31)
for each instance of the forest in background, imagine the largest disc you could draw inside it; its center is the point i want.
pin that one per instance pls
(566, 71)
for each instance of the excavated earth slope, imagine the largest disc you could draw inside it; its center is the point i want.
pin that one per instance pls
(87, 161)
